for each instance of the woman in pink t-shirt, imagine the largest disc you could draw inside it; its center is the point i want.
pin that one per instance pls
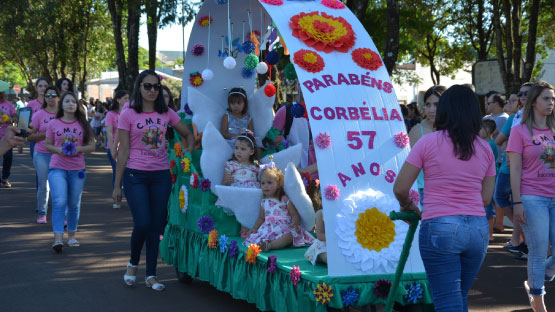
(41, 159)
(68, 137)
(143, 166)
(531, 152)
(7, 115)
(459, 170)
(112, 141)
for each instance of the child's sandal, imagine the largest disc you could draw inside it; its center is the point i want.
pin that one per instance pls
(266, 246)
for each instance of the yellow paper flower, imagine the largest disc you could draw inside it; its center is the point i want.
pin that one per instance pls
(252, 253)
(186, 164)
(213, 239)
(374, 229)
(181, 199)
(323, 293)
(5, 118)
(323, 32)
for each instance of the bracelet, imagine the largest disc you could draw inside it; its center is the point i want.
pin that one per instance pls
(515, 203)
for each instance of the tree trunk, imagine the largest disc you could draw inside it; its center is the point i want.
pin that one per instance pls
(358, 7)
(83, 81)
(152, 21)
(532, 38)
(116, 8)
(133, 19)
(392, 44)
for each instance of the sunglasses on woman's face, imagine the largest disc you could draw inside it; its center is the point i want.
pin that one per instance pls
(149, 86)
(53, 95)
(522, 93)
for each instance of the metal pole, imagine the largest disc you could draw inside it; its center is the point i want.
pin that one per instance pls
(183, 27)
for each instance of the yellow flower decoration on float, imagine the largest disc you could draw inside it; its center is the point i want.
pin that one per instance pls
(252, 253)
(374, 230)
(186, 164)
(181, 199)
(213, 239)
(323, 32)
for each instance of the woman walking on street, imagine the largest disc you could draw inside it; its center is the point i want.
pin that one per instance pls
(41, 159)
(459, 170)
(143, 166)
(531, 152)
(112, 141)
(68, 137)
(7, 115)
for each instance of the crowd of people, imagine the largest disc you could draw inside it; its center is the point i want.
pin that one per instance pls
(459, 160)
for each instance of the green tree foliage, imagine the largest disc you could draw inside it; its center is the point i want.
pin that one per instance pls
(10, 72)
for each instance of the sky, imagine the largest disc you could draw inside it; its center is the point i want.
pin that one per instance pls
(170, 38)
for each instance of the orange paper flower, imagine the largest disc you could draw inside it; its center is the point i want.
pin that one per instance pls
(309, 60)
(205, 21)
(213, 239)
(323, 32)
(177, 149)
(367, 58)
(252, 253)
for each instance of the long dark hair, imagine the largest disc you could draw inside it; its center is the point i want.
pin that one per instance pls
(43, 106)
(248, 138)
(61, 80)
(159, 104)
(458, 112)
(238, 93)
(171, 104)
(435, 90)
(115, 102)
(79, 114)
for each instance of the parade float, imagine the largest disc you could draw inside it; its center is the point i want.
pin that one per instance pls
(360, 144)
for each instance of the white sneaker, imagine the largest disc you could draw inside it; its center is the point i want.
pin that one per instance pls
(116, 206)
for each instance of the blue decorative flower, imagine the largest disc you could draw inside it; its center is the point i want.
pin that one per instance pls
(297, 110)
(233, 249)
(223, 243)
(349, 296)
(414, 292)
(206, 224)
(81, 174)
(247, 73)
(272, 58)
(69, 148)
(248, 47)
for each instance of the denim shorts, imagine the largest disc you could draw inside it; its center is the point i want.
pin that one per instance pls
(502, 195)
(490, 210)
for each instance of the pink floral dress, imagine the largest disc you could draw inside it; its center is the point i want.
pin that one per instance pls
(276, 223)
(243, 176)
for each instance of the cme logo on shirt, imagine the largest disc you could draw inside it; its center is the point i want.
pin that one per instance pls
(152, 135)
(69, 135)
(548, 155)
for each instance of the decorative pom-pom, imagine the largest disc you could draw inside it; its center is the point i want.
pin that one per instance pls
(289, 72)
(272, 58)
(382, 288)
(262, 68)
(213, 239)
(414, 292)
(233, 249)
(205, 184)
(297, 110)
(198, 49)
(401, 139)
(270, 90)
(414, 196)
(207, 74)
(178, 150)
(323, 293)
(323, 140)
(193, 181)
(68, 148)
(205, 224)
(271, 264)
(349, 296)
(229, 62)
(251, 61)
(295, 274)
(252, 253)
(331, 192)
(247, 73)
(223, 242)
(333, 4)
(195, 79)
(248, 47)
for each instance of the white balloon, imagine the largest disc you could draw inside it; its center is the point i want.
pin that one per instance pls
(207, 74)
(229, 62)
(262, 68)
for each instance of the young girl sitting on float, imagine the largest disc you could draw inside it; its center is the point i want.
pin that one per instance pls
(278, 224)
(317, 252)
(236, 120)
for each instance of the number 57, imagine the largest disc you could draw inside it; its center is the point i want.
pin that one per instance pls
(354, 136)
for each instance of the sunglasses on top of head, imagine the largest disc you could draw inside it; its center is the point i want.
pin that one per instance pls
(149, 86)
(522, 93)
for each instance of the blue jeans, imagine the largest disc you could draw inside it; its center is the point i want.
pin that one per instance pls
(147, 194)
(32, 151)
(453, 249)
(66, 187)
(539, 230)
(502, 195)
(7, 164)
(113, 163)
(41, 162)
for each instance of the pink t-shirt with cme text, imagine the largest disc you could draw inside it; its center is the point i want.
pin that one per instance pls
(35, 105)
(40, 122)
(453, 186)
(61, 132)
(538, 159)
(147, 137)
(6, 108)
(112, 120)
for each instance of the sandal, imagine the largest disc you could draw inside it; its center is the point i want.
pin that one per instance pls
(6, 183)
(58, 246)
(73, 243)
(130, 279)
(266, 246)
(156, 286)
(530, 298)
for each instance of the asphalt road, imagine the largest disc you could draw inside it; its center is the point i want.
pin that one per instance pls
(90, 277)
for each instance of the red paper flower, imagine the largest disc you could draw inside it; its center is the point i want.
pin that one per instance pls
(205, 21)
(367, 58)
(401, 139)
(193, 180)
(172, 164)
(333, 4)
(309, 60)
(295, 274)
(174, 177)
(195, 79)
(273, 2)
(323, 32)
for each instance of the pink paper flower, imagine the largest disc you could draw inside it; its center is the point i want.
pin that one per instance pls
(295, 275)
(401, 139)
(273, 2)
(331, 192)
(414, 196)
(333, 4)
(323, 140)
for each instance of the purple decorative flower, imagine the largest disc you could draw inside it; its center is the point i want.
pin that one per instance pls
(69, 148)
(271, 264)
(382, 288)
(205, 184)
(198, 49)
(233, 249)
(285, 143)
(187, 109)
(331, 192)
(206, 224)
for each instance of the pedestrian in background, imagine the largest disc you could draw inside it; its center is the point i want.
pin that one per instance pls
(112, 141)
(7, 115)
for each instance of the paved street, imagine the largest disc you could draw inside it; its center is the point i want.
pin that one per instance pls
(89, 278)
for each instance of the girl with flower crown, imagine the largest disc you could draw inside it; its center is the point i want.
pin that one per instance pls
(67, 138)
(278, 224)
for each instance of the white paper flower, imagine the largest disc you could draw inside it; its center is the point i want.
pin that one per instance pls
(378, 260)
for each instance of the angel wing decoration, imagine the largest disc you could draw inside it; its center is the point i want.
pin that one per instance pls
(215, 153)
(260, 109)
(204, 109)
(283, 158)
(294, 188)
(243, 201)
